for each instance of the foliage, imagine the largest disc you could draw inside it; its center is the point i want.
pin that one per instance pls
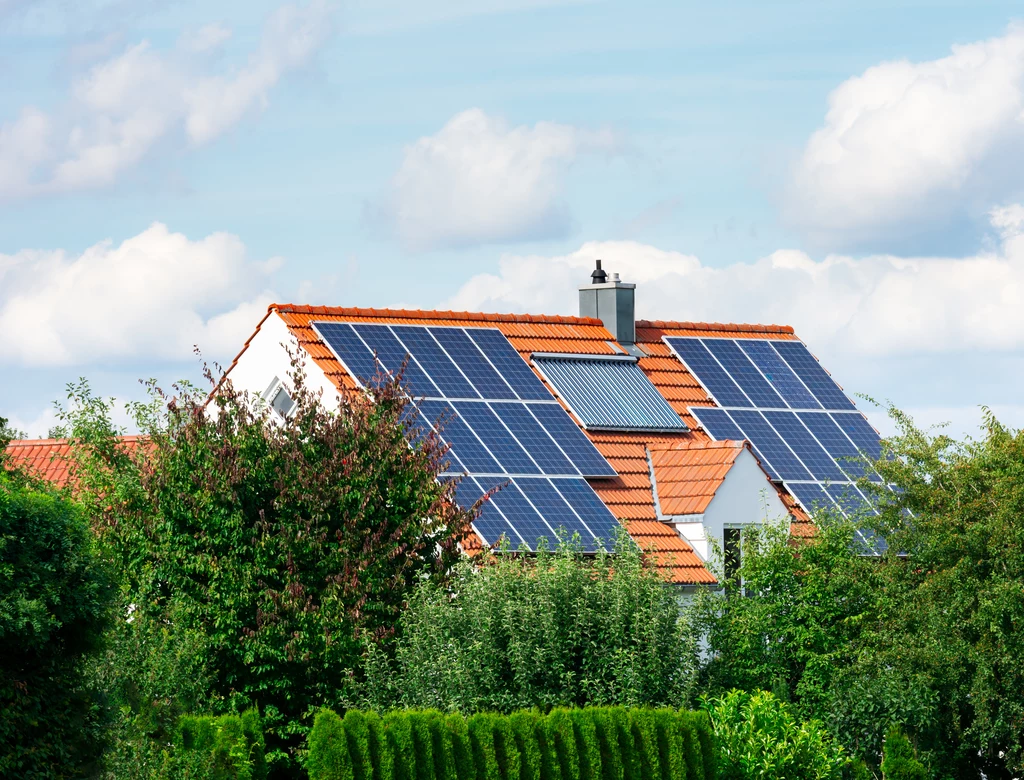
(759, 737)
(555, 630)
(930, 636)
(54, 604)
(586, 743)
(898, 759)
(7, 435)
(232, 745)
(279, 546)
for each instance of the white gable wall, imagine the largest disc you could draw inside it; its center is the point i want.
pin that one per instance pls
(745, 497)
(266, 357)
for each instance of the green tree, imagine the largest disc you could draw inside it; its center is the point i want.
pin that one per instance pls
(898, 759)
(558, 629)
(54, 604)
(277, 545)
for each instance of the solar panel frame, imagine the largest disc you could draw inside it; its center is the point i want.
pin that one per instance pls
(772, 447)
(496, 437)
(778, 373)
(860, 432)
(706, 369)
(593, 512)
(821, 384)
(392, 354)
(574, 443)
(537, 441)
(446, 375)
(805, 446)
(745, 374)
(473, 363)
(509, 363)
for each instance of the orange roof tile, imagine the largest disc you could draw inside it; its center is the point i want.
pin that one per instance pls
(50, 459)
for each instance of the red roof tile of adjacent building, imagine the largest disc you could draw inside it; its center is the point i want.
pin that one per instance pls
(688, 475)
(50, 459)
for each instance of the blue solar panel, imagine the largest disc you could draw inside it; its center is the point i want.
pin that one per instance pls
(509, 364)
(850, 499)
(464, 444)
(837, 444)
(557, 512)
(591, 509)
(861, 432)
(491, 523)
(473, 364)
(745, 373)
(609, 394)
(496, 437)
(705, 368)
(817, 379)
(357, 359)
(511, 502)
(775, 370)
(812, 496)
(392, 355)
(442, 370)
(574, 443)
(535, 439)
(717, 423)
(800, 440)
(780, 458)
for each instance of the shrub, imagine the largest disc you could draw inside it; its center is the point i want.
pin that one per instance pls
(462, 746)
(645, 739)
(398, 728)
(898, 759)
(55, 598)
(524, 725)
(230, 747)
(357, 731)
(758, 737)
(329, 756)
(553, 630)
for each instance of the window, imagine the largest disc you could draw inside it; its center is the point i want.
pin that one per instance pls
(731, 548)
(279, 398)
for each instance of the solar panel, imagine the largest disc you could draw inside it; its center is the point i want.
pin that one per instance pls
(498, 440)
(538, 442)
(591, 509)
(518, 431)
(446, 375)
(709, 372)
(744, 373)
(804, 429)
(579, 449)
(816, 378)
(609, 394)
(788, 385)
(509, 364)
(474, 365)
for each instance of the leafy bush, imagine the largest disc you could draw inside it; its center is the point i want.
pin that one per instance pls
(555, 630)
(758, 737)
(593, 743)
(279, 545)
(55, 598)
(230, 747)
(898, 759)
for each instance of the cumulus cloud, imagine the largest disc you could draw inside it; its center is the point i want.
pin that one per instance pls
(121, 107)
(880, 305)
(907, 147)
(154, 295)
(479, 181)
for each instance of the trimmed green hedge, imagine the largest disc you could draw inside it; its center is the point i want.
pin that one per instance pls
(231, 745)
(594, 743)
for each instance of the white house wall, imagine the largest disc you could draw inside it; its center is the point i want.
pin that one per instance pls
(743, 498)
(266, 358)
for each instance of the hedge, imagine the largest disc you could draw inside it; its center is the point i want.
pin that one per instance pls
(594, 743)
(232, 745)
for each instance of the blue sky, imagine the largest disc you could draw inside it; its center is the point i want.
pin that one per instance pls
(852, 169)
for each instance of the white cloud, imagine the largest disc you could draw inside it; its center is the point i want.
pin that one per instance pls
(123, 106)
(907, 147)
(478, 181)
(154, 295)
(876, 306)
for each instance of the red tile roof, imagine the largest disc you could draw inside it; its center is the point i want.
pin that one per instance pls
(688, 475)
(50, 459)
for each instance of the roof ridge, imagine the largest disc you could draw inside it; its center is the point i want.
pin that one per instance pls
(61, 442)
(694, 444)
(730, 327)
(355, 311)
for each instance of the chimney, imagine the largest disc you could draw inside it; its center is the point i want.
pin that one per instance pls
(612, 303)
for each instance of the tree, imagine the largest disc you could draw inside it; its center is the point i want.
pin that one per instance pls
(7, 435)
(282, 543)
(559, 629)
(54, 605)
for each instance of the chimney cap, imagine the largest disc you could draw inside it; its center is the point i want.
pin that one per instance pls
(599, 276)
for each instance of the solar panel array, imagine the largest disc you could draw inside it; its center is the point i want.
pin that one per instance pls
(803, 428)
(501, 424)
(608, 393)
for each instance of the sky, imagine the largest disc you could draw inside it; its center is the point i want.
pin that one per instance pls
(168, 168)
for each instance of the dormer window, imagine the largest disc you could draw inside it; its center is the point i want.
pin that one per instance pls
(279, 399)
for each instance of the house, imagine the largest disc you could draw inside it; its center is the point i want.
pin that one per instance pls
(685, 433)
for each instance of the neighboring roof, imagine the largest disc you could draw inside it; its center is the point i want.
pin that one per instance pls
(49, 459)
(688, 475)
(629, 496)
